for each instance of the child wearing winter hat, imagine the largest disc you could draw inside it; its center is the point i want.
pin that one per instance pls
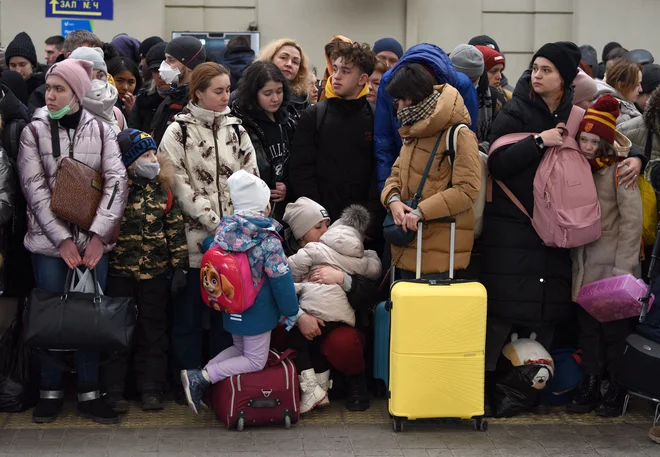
(341, 247)
(151, 242)
(615, 253)
(252, 231)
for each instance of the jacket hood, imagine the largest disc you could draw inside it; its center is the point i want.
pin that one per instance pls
(166, 175)
(651, 113)
(330, 92)
(101, 101)
(450, 110)
(244, 230)
(524, 88)
(328, 62)
(345, 240)
(239, 55)
(194, 114)
(622, 144)
(430, 56)
(11, 108)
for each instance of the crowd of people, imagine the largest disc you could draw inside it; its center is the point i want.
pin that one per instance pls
(195, 153)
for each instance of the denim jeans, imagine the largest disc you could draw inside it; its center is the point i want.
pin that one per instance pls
(50, 275)
(188, 316)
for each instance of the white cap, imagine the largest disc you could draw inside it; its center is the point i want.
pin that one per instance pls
(248, 192)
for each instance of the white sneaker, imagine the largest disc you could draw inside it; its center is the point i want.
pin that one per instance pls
(326, 384)
(312, 393)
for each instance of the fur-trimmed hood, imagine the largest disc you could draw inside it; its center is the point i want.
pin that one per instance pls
(652, 111)
(166, 175)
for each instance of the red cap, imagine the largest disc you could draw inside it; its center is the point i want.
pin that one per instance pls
(491, 57)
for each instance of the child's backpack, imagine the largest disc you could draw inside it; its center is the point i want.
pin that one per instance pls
(566, 208)
(226, 281)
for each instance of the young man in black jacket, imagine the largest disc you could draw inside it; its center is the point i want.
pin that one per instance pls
(332, 158)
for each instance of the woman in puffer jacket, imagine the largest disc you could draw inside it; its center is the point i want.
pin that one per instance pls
(624, 82)
(206, 145)
(427, 112)
(55, 244)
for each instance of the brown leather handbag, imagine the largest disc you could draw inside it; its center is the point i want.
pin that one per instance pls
(78, 187)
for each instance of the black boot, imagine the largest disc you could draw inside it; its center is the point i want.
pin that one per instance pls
(92, 406)
(358, 393)
(115, 399)
(587, 395)
(49, 406)
(152, 401)
(612, 404)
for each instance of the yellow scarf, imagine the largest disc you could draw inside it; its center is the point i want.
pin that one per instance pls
(330, 92)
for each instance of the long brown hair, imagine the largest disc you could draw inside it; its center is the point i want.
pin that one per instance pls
(624, 72)
(300, 82)
(202, 76)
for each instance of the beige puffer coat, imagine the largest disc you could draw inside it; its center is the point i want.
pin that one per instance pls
(340, 247)
(616, 252)
(438, 199)
(212, 153)
(37, 169)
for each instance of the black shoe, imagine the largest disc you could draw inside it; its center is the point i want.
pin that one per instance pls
(358, 393)
(152, 401)
(115, 400)
(587, 395)
(92, 406)
(48, 407)
(612, 404)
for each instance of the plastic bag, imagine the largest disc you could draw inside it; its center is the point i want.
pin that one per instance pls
(17, 392)
(514, 391)
(83, 282)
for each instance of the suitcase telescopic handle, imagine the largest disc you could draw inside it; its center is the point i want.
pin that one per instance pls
(452, 245)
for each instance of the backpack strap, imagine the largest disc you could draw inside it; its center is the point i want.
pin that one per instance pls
(321, 111)
(237, 129)
(452, 141)
(184, 133)
(573, 123)
(120, 117)
(170, 202)
(54, 138)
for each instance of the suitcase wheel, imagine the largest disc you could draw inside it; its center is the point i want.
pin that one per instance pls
(397, 424)
(240, 425)
(287, 421)
(480, 425)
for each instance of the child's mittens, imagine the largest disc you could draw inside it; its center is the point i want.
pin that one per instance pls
(206, 244)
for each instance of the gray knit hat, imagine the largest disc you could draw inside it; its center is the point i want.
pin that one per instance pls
(94, 55)
(303, 215)
(468, 60)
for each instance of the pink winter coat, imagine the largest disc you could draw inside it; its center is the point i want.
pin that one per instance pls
(37, 169)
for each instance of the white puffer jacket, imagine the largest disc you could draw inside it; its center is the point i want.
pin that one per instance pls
(212, 153)
(340, 247)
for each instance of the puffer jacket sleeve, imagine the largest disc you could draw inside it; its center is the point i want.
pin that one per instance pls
(192, 205)
(392, 184)
(300, 263)
(115, 188)
(280, 278)
(372, 265)
(7, 188)
(36, 190)
(628, 243)
(510, 161)
(249, 162)
(466, 182)
(387, 141)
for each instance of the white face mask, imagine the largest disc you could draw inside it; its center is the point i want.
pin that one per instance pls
(147, 170)
(170, 75)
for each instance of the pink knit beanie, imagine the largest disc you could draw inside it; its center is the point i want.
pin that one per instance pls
(584, 88)
(76, 73)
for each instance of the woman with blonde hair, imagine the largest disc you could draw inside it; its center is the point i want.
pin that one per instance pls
(290, 58)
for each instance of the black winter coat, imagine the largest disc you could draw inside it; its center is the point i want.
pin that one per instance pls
(528, 283)
(144, 111)
(236, 61)
(336, 166)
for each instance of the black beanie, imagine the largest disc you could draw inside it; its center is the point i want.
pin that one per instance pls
(188, 50)
(650, 78)
(14, 82)
(148, 44)
(565, 55)
(21, 46)
(484, 40)
(155, 56)
(608, 48)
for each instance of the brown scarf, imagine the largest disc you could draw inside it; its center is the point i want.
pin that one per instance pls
(415, 113)
(601, 162)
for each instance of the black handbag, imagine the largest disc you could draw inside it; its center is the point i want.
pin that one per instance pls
(74, 320)
(393, 233)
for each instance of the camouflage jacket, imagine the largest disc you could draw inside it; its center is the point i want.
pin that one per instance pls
(151, 240)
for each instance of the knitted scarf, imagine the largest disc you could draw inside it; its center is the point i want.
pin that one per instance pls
(599, 163)
(415, 113)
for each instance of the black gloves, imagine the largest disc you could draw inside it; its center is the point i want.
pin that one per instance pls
(179, 281)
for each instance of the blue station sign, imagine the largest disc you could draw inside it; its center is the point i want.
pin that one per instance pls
(80, 9)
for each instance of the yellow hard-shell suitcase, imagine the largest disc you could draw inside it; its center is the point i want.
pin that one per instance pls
(437, 349)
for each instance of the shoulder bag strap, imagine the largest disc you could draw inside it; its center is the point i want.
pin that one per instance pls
(418, 194)
(54, 137)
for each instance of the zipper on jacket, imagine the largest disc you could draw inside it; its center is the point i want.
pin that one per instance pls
(71, 141)
(217, 157)
(114, 194)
